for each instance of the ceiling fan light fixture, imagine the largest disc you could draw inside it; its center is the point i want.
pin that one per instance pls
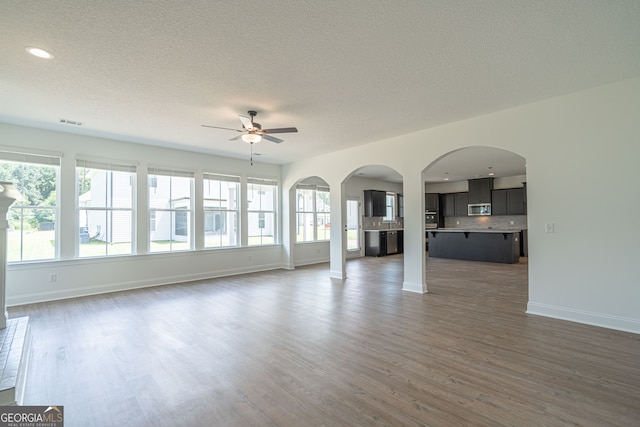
(251, 138)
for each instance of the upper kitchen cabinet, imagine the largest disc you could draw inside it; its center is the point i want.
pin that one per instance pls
(449, 204)
(431, 202)
(400, 198)
(510, 201)
(375, 203)
(499, 202)
(480, 190)
(455, 204)
(462, 204)
(516, 201)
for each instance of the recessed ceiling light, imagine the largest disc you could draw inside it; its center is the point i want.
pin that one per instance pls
(40, 53)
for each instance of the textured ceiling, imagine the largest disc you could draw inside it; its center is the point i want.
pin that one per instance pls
(344, 72)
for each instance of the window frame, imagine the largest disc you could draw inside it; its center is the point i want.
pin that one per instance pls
(390, 207)
(230, 214)
(314, 212)
(40, 159)
(109, 168)
(172, 211)
(262, 213)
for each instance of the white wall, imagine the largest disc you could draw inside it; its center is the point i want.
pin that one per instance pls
(462, 186)
(581, 152)
(29, 282)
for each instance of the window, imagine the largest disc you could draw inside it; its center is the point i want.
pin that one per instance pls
(312, 213)
(353, 224)
(390, 202)
(105, 208)
(32, 220)
(221, 206)
(170, 210)
(261, 211)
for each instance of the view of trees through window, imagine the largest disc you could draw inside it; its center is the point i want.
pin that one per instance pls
(32, 220)
(105, 205)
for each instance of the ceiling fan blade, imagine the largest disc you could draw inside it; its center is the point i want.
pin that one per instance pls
(272, 139)
(235, 138)
(218, 127)
(280, 130)
(246, 122)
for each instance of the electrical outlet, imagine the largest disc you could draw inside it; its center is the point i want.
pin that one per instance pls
(512, 223)
(53, 277)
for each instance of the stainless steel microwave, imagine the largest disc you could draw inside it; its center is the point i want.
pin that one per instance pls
(479, 209)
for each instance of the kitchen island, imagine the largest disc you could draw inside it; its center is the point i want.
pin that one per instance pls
(490, 245)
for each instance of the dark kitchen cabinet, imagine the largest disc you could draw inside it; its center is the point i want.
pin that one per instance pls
(480, 190)
(431, 203)
(499, 202)
(449, 202)
(516, 202)
(510, 201)
(461, 202)
(375, 243)
(455, 204)
(383, 242)
(375, 203)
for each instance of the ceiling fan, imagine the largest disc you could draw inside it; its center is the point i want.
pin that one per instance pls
(252, 132)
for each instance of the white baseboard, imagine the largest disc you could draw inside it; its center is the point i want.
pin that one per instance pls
(587, 317)
(310, 261)
(418, 288)
(36, 297)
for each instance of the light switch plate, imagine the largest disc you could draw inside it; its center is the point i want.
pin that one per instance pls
(549, 228)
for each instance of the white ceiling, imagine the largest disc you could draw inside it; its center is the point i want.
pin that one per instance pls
(344, 72)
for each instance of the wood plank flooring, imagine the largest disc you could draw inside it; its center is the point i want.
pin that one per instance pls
(296, 348)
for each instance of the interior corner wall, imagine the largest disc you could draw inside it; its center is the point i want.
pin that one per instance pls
(30, 282)
(581, 151)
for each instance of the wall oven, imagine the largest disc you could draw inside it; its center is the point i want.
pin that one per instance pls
(430, 220)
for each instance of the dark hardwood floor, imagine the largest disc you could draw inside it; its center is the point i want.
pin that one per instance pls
(296, 348)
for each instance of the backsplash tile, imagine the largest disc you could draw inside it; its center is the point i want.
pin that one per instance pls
(375, 223)
(484, 222)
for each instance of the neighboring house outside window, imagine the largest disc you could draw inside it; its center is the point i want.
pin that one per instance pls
(106, 211)
(221, 201)
(261, 212)
(312, 213)
(170, 210)
(32, 219)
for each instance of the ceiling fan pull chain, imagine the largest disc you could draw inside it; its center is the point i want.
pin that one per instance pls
(251, 153)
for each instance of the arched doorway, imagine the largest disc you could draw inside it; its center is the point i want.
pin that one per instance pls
(363, 225)
(311, 211)
(477, 191)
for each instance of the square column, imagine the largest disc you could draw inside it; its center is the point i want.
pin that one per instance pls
(8, 195)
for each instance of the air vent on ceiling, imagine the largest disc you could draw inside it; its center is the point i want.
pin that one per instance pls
(70, 122)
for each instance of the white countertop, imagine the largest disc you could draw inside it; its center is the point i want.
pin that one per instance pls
(387, 229)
